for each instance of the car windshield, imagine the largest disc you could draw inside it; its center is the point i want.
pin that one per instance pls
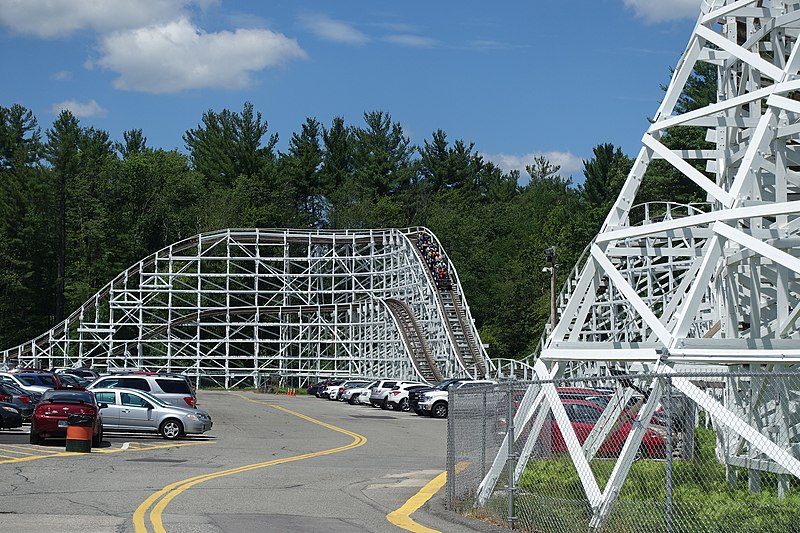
(13, 389)
(43, 379)
(67, 396)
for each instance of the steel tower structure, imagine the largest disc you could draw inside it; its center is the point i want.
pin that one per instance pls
(236, 304)
(665, 288)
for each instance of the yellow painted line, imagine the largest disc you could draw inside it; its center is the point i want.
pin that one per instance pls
(150, 447)
(157, 501)
(402, 516)
(34, 457)
(16, 452)
(47, 453)
(35, 447)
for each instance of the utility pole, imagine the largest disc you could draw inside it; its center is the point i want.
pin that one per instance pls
(550, 254)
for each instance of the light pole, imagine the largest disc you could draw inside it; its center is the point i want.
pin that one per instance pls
(550, 254)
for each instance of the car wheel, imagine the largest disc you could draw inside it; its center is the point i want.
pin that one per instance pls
(98, 439)
(353, 400)
(439, 410)
(171, 429)
(36, 438)
(403, 405)
(385, 404)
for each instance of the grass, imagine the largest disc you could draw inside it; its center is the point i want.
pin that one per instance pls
(551, 497)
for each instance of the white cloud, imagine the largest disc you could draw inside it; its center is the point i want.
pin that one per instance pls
(178, 56)
(58, 18)
(333, 30)
(413, 41)
(654, 11)
(570, 163)
(61, 75)
(79, 109)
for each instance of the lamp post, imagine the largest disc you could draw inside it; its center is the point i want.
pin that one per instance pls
(550, 254)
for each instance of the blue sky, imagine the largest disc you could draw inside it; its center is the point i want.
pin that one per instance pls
(517, 78)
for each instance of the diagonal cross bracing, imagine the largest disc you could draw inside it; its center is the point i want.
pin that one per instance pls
(720, 286)
(232, 304)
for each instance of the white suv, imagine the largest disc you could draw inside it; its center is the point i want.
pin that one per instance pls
(398, 396)
(435, 403)
(378, 396)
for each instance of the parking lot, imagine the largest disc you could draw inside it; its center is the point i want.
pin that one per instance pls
(270, 463)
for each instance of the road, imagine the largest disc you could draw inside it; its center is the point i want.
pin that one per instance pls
(270, 464)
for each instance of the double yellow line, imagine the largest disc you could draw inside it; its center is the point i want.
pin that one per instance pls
(155, 504)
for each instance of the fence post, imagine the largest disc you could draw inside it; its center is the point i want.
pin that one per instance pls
(483, 436)
(451, 452)
(510, 461)
(669, 410)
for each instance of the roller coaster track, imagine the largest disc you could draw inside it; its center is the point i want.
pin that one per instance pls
(458, 328)
(414, 338)
(468, 349)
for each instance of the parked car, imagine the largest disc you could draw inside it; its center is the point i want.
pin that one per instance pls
(19, 398)
(68, 381)
(31, 381)
(50, 416)
(135, 410)
(363, 396)
(435, 403)
(583, 416)
(414, 396)
(86, 373)
(398, 396)
(378, 396)
(314, 389)
(332, 387)
(10, 417)
(351, 392)
(170, 389)
(335, 391)
(325, 391)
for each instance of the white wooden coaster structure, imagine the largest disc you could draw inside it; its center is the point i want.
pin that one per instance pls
(716, 288)
(235, 304)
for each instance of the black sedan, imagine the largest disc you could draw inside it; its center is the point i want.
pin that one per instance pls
(10, 416)
(24, 401)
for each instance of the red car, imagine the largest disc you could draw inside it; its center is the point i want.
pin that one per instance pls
(50, 416)
(584, 415)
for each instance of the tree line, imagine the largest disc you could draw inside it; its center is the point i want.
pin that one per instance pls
(77, 207)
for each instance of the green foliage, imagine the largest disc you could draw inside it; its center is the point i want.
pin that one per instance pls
(228, 144)
(300, 168)
(551, 492)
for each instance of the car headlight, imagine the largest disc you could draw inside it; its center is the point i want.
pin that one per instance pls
(191, 417)
(10, 409)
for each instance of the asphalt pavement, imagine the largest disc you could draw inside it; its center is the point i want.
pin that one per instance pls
(271, 463)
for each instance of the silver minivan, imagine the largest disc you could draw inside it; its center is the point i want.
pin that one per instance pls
(138, 411)
(174, 390)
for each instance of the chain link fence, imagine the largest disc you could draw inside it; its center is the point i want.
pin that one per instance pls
(673, 452)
